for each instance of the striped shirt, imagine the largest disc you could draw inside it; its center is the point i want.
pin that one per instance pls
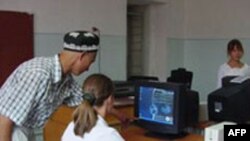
(35, 90)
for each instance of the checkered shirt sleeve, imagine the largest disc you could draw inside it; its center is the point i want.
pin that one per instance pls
(76, 93)
(18, 97)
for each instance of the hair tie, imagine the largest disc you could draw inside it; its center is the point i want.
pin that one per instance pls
(89, 97)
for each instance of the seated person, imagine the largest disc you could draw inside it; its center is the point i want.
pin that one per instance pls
(88, 119)
(234, 66)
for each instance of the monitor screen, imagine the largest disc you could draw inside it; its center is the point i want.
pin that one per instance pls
(160, 106)
(156, 105)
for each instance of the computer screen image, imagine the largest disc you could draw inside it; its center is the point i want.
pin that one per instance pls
(156, 105)
(160, 107)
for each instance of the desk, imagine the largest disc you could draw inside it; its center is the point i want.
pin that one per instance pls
(60, 119)
(135, 133)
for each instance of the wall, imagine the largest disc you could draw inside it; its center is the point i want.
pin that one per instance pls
(208, 26)
(217, 19)
(175, 35)
(163, 20)
(54, 18)
(155, 40)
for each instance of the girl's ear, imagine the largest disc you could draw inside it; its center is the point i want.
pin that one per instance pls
(110, 102)
(111, 99)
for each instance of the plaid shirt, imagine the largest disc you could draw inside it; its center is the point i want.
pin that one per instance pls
(35, 90)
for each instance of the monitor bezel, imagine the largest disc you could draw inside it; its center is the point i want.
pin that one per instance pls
(179, 108)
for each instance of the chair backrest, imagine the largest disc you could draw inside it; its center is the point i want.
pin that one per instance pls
(226, 81)
(181, 75)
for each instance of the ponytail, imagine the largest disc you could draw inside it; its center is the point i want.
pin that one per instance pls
(97, 88)
(84, 117)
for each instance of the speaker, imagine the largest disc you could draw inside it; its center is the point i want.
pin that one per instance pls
(192, 111)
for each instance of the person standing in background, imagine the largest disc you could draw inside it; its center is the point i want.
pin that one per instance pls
(234, 66)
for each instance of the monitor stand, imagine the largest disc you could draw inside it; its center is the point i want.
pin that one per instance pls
(165, 136)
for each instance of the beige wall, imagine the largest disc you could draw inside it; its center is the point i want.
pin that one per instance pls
(60, 16)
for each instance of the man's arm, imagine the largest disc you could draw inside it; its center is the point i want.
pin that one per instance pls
(6, 127)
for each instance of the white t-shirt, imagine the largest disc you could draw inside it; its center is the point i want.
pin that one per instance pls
(226, 70)
(100, 132)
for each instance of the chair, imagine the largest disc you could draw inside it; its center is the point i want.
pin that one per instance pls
(181, 75)
(226, 81)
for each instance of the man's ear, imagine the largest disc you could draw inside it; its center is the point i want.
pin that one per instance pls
(83, 54)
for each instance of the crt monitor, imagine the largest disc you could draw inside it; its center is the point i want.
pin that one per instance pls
(160, 107)
(230, 103)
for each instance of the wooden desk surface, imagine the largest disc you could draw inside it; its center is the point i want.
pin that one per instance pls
(135, 133)
(60, 119)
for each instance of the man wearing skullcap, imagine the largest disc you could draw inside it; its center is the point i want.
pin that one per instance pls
(39, 86)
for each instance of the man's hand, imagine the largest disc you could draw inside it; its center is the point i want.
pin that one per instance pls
(6, 127)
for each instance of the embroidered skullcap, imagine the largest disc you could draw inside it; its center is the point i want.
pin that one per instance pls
(81, 41)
